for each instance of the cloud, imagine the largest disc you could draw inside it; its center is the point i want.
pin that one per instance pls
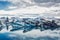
(15, 4)
(21, 3)
(27, 3)
(31, 9)
(46, 3)
(18, 7)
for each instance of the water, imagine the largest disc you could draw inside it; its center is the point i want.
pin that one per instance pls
(29, 35)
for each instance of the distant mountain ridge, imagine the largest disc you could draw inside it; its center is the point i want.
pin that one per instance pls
(27, 24)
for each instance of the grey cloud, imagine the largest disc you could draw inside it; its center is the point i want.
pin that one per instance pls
(47, 3)
(44, 1)
(20, 4)
(23, 4)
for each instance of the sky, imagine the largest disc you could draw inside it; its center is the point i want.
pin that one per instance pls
(41, 7)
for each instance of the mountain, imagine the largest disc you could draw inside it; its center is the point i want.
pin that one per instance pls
(28, 24)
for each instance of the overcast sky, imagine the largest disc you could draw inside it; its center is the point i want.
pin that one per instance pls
(43, 7)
